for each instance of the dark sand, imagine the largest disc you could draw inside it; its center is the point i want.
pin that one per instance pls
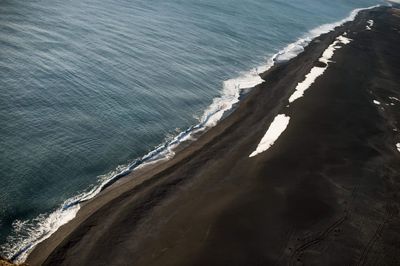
(327, 192)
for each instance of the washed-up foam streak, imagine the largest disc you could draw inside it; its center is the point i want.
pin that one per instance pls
(274, 131)
(303, 86)
(27, 234)
(370, 23)
(318, 71)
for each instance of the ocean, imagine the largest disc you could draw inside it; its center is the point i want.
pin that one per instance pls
(92, 89)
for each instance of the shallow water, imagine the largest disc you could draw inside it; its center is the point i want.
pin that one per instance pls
(87, 86)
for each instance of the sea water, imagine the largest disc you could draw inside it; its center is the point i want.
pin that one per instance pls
(90, 89)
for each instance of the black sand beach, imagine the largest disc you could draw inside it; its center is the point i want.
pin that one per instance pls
(326, 193)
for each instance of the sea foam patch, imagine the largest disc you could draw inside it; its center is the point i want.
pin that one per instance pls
(377, 102)
(318, 71)
(370, 23)
(230, 95)
(398, 146)
(303, 86)
(38, 230)
(274, 131)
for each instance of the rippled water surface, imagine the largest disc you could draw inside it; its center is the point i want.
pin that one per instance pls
(90, 85)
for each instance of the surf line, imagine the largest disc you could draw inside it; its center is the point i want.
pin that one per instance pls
(281, 121)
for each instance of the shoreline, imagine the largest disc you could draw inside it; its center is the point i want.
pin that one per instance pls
(141, 176)
(144, 180)
(67, 211)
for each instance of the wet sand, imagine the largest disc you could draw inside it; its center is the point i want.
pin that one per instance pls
(326, 193)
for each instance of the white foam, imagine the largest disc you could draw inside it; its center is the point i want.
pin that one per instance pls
(343, 39)
(231, 91)
(293, 49)
(303, 86)
(318, 71)
(297, 47)
(398, 146)
(274, 131)
(376, 102)
(370, 23)
(328, 53)
(32, 232)
(37, 230)
(394, 98)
